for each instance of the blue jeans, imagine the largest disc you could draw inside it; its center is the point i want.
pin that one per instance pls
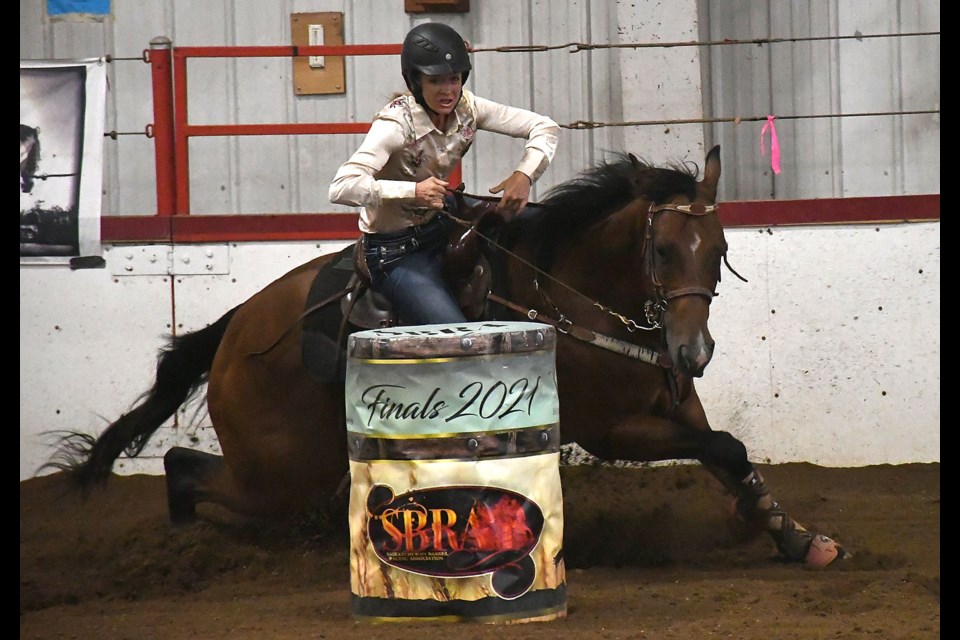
(406, 267)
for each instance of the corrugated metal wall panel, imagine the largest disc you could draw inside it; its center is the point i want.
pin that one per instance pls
(508, 78)
(33, 36)
(578, 85)
(211, 96)
(560, 84)
(129, 172)
(824, 157)
(740, 87)
(920, 85)
(603, 97)
(867, 84)
(263, 94)
(316, 158)
(73, 40)
(661, 84)
(371, 81)
(803, 90)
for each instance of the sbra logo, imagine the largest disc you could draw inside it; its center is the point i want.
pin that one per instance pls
(456, 532)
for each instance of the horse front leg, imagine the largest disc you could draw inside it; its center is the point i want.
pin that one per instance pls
(755, 504)
(687, 435)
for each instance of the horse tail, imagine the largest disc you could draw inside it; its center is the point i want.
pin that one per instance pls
(183, 366)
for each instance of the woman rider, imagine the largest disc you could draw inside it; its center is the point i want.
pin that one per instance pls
(399, 174)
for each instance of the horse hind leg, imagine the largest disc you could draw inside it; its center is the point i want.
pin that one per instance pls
(196, 477)
(187, 471)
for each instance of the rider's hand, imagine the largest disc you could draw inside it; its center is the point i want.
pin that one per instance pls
(430, 193)
(516, 194)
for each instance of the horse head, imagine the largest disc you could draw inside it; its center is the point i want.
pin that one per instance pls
(627, 256)
(683, 245)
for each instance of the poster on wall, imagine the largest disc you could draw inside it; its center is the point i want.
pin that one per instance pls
(78, 10)
(62, 109)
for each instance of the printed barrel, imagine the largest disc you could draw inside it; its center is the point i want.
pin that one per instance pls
(456, 510)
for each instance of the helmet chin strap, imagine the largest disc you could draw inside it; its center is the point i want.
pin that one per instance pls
(418, 96)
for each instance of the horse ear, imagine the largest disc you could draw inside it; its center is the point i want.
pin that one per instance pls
(711, 175)
(637, 167)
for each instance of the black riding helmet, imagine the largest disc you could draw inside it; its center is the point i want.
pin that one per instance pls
(432, 49)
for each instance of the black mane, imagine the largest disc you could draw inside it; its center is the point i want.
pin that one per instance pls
(596, 193)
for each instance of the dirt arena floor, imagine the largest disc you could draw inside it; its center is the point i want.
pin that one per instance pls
(649, 552)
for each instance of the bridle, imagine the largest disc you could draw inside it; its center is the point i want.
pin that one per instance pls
(654, 309)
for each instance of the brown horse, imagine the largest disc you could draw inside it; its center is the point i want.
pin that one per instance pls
(624, 261)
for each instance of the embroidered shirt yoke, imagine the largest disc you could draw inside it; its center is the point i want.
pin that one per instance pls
(403, 147)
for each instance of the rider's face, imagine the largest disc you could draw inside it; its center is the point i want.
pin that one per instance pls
(441, 93)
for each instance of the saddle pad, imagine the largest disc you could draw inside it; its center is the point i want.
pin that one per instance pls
(322, 357)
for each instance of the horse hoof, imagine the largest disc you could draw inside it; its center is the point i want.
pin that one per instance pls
(823, 551)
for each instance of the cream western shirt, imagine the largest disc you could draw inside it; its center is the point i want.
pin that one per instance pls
(403, 147)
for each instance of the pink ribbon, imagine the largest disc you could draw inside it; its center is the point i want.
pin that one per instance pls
(774, 144)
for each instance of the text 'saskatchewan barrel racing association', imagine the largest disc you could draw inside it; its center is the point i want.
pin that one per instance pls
(456, 510)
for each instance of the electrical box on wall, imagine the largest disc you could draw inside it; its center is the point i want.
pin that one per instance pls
(437, 6)
(317, 74)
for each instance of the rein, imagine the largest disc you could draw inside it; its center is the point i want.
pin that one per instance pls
(632, 325)
(644, 354)
(653, 310)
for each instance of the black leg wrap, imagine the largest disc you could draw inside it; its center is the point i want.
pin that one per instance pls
(723, 450)
(791, 540)
(185, 468)
(750, 491)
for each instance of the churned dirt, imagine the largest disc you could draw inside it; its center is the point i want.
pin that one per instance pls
(650, 554)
